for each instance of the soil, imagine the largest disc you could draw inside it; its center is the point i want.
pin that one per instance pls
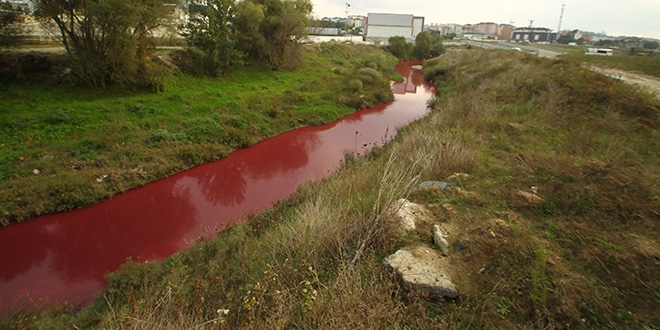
(650, 84)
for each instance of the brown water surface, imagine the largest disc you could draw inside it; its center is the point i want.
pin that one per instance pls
(63, 257)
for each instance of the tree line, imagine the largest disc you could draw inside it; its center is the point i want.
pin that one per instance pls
(110, 42)
(426, 45)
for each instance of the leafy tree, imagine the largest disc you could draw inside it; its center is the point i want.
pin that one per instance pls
(650, 44)
(565, 39)
(399, 47)
(228, 32)
(108, 40)
(428, 45)
(423, 44)
(327, 23)
(211, 28)
(605, 42)
(272, 31)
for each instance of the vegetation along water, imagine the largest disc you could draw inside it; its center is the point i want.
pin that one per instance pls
(583, 253)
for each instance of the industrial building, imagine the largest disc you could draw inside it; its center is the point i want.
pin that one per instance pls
(532, 34)
(381, 27)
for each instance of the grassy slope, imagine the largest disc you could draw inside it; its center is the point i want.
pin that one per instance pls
(586, 258)
(643, 64)
(88, 144)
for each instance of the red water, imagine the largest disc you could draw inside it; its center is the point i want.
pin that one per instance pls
(63, 257)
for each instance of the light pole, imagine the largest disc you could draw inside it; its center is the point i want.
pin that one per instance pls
(348, 20)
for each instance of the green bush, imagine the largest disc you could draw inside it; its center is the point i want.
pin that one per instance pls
(368, 75)
(355, 85)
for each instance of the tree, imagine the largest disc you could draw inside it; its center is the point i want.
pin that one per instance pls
(108, 40)
(423, 44)
(211, 28)
(399, 47)
(650, 44)
(272, 31)
(565, 39)
(428, 45)
(258, 31)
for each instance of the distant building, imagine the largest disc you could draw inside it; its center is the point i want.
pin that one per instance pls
(505, 31)
(474, 35)
(489, 28)
(445, 29)
(381, 27)
(532, 34)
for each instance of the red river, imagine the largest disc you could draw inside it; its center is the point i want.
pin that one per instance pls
(64, 256)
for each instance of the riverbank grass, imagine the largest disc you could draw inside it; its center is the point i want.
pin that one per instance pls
(584, 257)
(64, 147)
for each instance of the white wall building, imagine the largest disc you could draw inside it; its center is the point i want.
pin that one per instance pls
(381, 27)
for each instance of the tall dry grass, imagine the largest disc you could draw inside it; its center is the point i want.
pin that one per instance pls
(582, 260)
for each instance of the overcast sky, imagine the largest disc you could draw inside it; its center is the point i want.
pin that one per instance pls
(639, 18)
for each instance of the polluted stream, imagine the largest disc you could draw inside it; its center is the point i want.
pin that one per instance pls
(64, 257)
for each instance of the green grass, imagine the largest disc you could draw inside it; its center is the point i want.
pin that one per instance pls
(73, 136)
(587, 258)
(644, 64)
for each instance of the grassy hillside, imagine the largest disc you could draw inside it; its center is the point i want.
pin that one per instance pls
(644, 64)
(586, 256)
(64, 147)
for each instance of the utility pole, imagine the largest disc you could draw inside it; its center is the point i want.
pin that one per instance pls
(348, 20)
(561, 16)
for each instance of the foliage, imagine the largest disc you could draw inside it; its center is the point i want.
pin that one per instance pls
(258, 31)
(428, 45)
(73, 134)
(108, 41)
(327, 23)
(650, 44)
(565, 39)
(212, 30)
(355, 85)
(272, 30)
(645, 64)
(399, 47)
(511, 121)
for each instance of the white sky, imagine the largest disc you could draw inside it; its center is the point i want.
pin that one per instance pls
(640, 18)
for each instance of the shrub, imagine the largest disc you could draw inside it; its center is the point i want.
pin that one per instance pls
(399, 47)
(368, 75)
(355, 85)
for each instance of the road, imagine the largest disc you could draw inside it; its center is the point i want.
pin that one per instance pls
(509, 45)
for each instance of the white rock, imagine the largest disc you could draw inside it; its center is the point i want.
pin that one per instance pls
(421, 271)
(440, 241)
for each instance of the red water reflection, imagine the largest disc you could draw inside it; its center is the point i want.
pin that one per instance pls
(64, 257)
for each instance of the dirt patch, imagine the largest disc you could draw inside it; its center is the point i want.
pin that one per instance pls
(651, 84)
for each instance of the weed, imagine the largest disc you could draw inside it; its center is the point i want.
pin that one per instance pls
(503, 306)
(539, 279)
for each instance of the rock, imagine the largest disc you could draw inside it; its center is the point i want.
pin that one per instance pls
(457, 177)
(440, 241)
(433, 184)
(530, 198)
(408, 213)
(420, 268)
(459, 246)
